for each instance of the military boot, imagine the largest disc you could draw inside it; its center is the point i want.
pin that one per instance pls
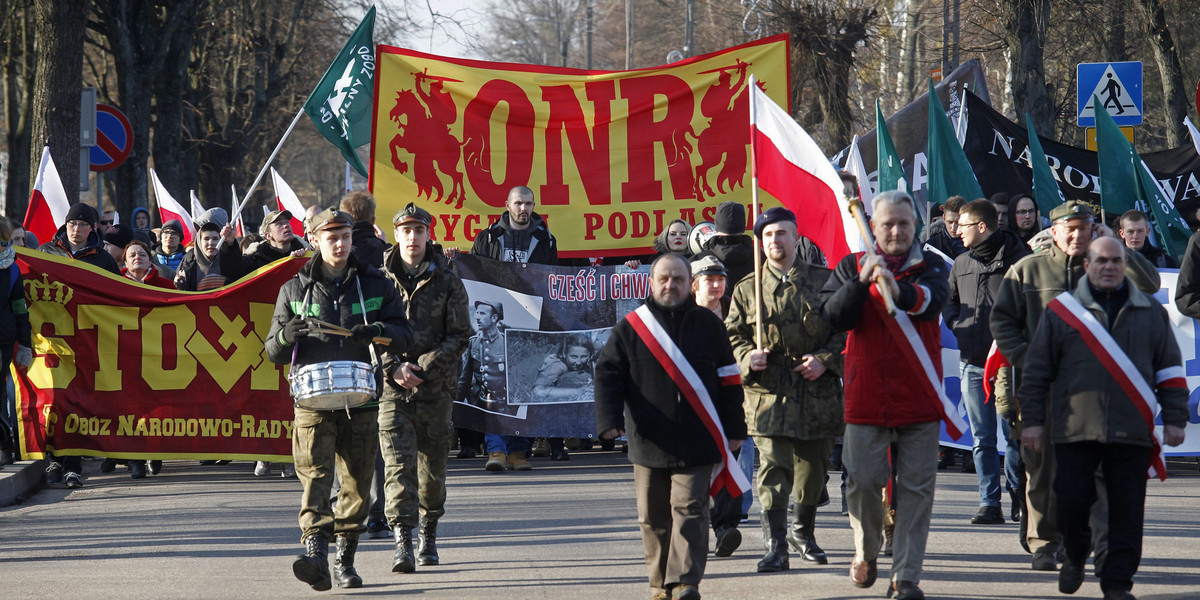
(427, 553)
(312, 567)
(343, 563)
(403, 561)
(802, 538)
(774, 523)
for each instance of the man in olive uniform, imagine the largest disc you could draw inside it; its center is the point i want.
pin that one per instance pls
(335, 288)
(482, 382)
(793, 393)
(418, 394)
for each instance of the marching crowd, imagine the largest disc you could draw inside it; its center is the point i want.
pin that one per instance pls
(745, 345)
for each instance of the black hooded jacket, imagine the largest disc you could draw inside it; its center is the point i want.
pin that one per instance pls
(92, 252)
(974, 283)
(534, 244)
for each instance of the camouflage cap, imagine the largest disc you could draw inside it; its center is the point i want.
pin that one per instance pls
(411, 214)
(1071, 210)
(495, 305)
(330, 218)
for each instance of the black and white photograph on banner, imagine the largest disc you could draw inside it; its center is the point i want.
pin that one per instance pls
(552, 367)
(494, 310)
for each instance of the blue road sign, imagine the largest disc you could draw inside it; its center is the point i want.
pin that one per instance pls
(114, 139)
(1118, 85)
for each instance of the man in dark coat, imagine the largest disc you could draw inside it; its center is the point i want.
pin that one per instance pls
(368, 246)
(77, 239)
(974, 282)
(673, 452)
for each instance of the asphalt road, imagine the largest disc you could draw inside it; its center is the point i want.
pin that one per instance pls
(563, 530)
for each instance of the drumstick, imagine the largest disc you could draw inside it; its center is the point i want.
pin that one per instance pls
(330, 328)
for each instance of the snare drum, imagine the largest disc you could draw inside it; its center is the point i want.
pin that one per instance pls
(339, 384)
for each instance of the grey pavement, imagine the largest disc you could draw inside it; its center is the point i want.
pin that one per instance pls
(563, 530)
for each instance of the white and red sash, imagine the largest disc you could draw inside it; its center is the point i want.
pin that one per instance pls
(1117, 363)
(726, 474)
(914, 351)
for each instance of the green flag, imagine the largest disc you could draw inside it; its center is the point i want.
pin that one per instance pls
(1118, 164)
(342, 104)
(1125, 180)
(1046, 192)
(950, 172)
(890, 170)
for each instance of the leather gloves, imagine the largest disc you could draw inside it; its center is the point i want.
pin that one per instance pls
(364, 333)
(295, 329)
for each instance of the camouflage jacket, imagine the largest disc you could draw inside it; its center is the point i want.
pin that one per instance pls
(436, 305)
(779, 401)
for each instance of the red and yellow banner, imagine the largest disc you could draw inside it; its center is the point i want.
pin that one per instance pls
(612, 156)
(125, 370)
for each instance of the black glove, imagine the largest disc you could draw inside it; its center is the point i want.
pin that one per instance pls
(295, 329)
(364, 334)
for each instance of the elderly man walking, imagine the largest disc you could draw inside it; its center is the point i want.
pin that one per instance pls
(1102, 361)
(893, 387)
(667, 380)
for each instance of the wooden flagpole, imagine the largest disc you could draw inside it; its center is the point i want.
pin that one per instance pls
(754, 208)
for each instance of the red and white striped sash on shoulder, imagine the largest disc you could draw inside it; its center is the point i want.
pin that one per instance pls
(1118, 365)
(726, 474)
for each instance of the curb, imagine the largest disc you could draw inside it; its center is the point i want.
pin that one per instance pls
(18, 479)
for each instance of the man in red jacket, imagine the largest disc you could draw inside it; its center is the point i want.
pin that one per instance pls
(893, 387)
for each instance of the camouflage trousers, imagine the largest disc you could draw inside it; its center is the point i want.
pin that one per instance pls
(788, 465)
(414, 437)
(323, 441)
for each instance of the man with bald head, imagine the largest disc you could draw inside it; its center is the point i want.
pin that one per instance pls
(1093, 350)
(673, 453)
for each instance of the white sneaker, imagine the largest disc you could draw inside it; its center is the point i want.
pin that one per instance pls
(262, 469)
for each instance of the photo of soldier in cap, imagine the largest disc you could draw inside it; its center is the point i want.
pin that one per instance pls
(482, 382)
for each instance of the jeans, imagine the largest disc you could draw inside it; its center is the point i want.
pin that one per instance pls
(983, 431)
(508, 443)
(746, 463)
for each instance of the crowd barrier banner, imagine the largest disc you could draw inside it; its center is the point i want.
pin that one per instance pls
(125, 370)
(611, 156)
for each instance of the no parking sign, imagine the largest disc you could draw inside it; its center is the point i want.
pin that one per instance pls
(114, 139)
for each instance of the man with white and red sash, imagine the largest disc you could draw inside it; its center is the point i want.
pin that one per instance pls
(793, 388)
(1026, 290)
(667, 380)
(1103, 361)
(892, 378)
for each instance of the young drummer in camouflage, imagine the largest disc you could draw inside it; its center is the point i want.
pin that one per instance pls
(336, 289)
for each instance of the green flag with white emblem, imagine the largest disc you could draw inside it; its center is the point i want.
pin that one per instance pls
(342, 104)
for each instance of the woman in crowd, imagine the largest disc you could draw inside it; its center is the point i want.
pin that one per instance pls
(14, 337)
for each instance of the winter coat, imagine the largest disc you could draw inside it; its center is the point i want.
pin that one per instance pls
(92, 253)
(1187, 289)
(974, 282)
(187, 277)
(366, 246)
(635, 393)
(1157, 256)
(780, 401)
(436, 306)
(311, 293)
(14, 312)
(1034, 281)
(881, 389)
(736, 252)
(1087, 404)
(168, 261)
(153, 278)
(263, 253)
(533, 244)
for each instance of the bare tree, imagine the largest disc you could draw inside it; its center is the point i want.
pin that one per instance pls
(57, 85)
(16, 97)
(1025, 30)
(1170, 71)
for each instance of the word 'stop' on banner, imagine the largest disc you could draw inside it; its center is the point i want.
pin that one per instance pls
(611, 156)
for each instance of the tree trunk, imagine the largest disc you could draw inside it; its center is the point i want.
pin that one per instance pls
(1169, 69)
(20, 61)
(169, 85)
(1025, 31)
(1116, 12)
(60, 28)
(908, 56)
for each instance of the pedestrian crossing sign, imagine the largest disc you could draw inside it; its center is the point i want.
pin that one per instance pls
(1118, 85)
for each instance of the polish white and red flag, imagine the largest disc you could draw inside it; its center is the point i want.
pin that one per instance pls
(48, 204)
(239, 228)
(169, 208)
(790, 166)
(289, 201)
